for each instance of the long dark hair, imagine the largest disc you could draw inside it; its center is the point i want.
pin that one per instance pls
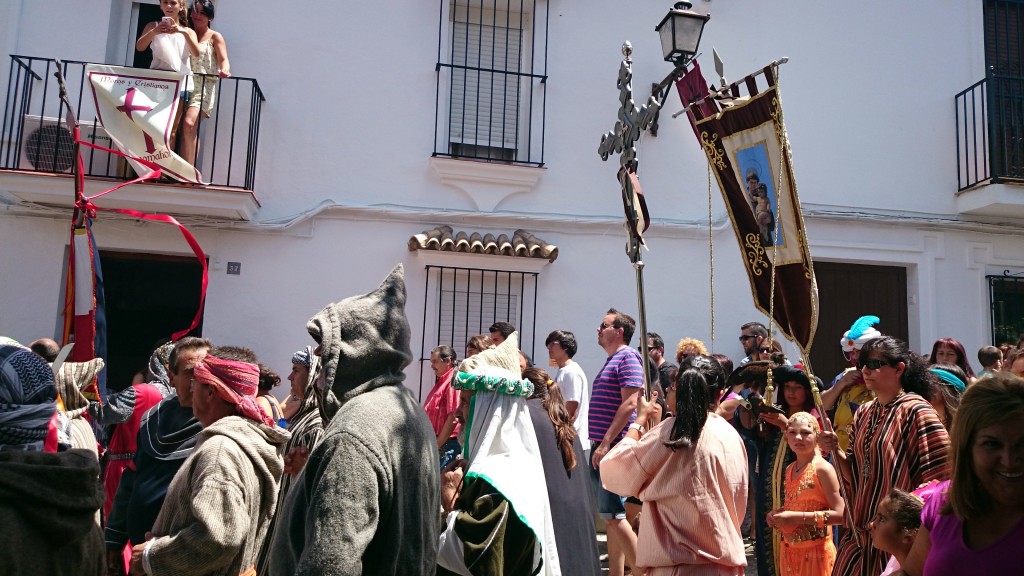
(916, 378)
(554, 404)
(785, 374)
(958, 349)
(699, 381)
(209, 9)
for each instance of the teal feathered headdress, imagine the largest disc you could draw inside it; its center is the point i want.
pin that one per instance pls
(861, 331)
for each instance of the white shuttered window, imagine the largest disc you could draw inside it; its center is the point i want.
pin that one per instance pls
(485, 96)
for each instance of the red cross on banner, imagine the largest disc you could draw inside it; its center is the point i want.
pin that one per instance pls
(138, 108)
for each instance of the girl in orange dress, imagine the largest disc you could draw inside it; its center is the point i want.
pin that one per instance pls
(811, 506)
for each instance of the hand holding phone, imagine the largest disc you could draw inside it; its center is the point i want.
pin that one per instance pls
(167, 22)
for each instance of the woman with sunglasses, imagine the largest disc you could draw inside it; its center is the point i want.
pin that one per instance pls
(896, 441)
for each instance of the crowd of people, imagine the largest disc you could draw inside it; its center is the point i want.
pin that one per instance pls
(905, 463)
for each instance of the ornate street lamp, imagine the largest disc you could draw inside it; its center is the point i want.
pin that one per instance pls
(680, 35)
(680, 32)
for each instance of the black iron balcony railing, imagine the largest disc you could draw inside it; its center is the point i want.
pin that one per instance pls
(990, 131)
(491, 82)
(34, 134)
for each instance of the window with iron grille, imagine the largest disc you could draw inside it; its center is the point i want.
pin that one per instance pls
(1004, 51)
(1006, 297)
(462, 302)
(1004, 60)
(492, 67)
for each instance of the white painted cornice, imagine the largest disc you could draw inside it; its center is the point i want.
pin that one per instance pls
(486, 183)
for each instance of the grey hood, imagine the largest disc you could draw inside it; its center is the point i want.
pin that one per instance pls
(364, 342)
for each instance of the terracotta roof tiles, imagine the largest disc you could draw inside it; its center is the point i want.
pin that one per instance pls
(522, 244)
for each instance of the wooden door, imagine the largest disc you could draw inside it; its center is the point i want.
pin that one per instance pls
(847, 292)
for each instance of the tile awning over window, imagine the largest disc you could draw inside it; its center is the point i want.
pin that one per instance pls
(522, 244)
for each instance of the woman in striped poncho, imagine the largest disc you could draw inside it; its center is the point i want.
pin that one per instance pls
(896, 441)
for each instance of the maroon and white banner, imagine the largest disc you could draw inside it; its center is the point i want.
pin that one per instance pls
(137, 107)
(748, 150)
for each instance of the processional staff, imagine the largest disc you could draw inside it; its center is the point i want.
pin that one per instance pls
(622, 140)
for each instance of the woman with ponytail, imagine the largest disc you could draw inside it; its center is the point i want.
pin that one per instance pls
(568, 480)
(690, 471)
(554, 406)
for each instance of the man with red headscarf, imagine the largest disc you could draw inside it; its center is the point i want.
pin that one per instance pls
(218, 507)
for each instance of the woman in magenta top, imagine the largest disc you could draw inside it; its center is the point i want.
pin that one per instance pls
(976, 525)
(442, 403)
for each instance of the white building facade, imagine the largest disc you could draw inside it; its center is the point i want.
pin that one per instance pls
(367, 118)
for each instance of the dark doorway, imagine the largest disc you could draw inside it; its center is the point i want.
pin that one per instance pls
(147, 13)
(148, 298)
(847, 292)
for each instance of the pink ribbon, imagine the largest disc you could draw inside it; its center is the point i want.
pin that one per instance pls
(84, 205)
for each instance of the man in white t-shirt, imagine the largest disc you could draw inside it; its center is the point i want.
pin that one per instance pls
(571, 381)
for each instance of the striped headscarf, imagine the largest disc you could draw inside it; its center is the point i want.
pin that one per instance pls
(27, 398)
(156, 372)
(72, 379)
(236, 383)
(302, 357)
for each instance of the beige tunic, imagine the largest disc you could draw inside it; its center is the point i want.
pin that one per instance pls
(220, 502)
(694, 498)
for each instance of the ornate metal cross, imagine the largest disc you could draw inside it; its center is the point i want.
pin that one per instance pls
(622, 140)
(632, 120)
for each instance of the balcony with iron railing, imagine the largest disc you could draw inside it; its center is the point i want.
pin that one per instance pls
(990, 147)
(491, 97)
(36, 147)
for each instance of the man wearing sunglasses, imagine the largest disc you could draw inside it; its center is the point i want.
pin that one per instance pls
(612, 410)
(752, 337)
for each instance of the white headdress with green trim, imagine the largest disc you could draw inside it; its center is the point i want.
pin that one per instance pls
(501, 444)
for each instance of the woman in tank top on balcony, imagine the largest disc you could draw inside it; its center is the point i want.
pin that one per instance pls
(172, 42)
(212, 61)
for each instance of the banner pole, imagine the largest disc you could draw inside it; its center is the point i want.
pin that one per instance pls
(641, 307)
(724, 92)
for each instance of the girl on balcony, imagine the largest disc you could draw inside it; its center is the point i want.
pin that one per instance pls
(172, 42)
(211, 60)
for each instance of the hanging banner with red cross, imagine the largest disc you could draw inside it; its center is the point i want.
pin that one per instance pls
(138, 109)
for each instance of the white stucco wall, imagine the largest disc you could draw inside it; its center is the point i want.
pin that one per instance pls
(286, 278)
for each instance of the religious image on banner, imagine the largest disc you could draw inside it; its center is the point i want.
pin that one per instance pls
(747, 147)
(753, 162)
(138, 108)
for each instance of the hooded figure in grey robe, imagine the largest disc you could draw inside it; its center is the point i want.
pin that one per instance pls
(367, 500)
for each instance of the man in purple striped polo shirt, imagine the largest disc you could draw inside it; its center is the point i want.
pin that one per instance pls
(612, 409)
